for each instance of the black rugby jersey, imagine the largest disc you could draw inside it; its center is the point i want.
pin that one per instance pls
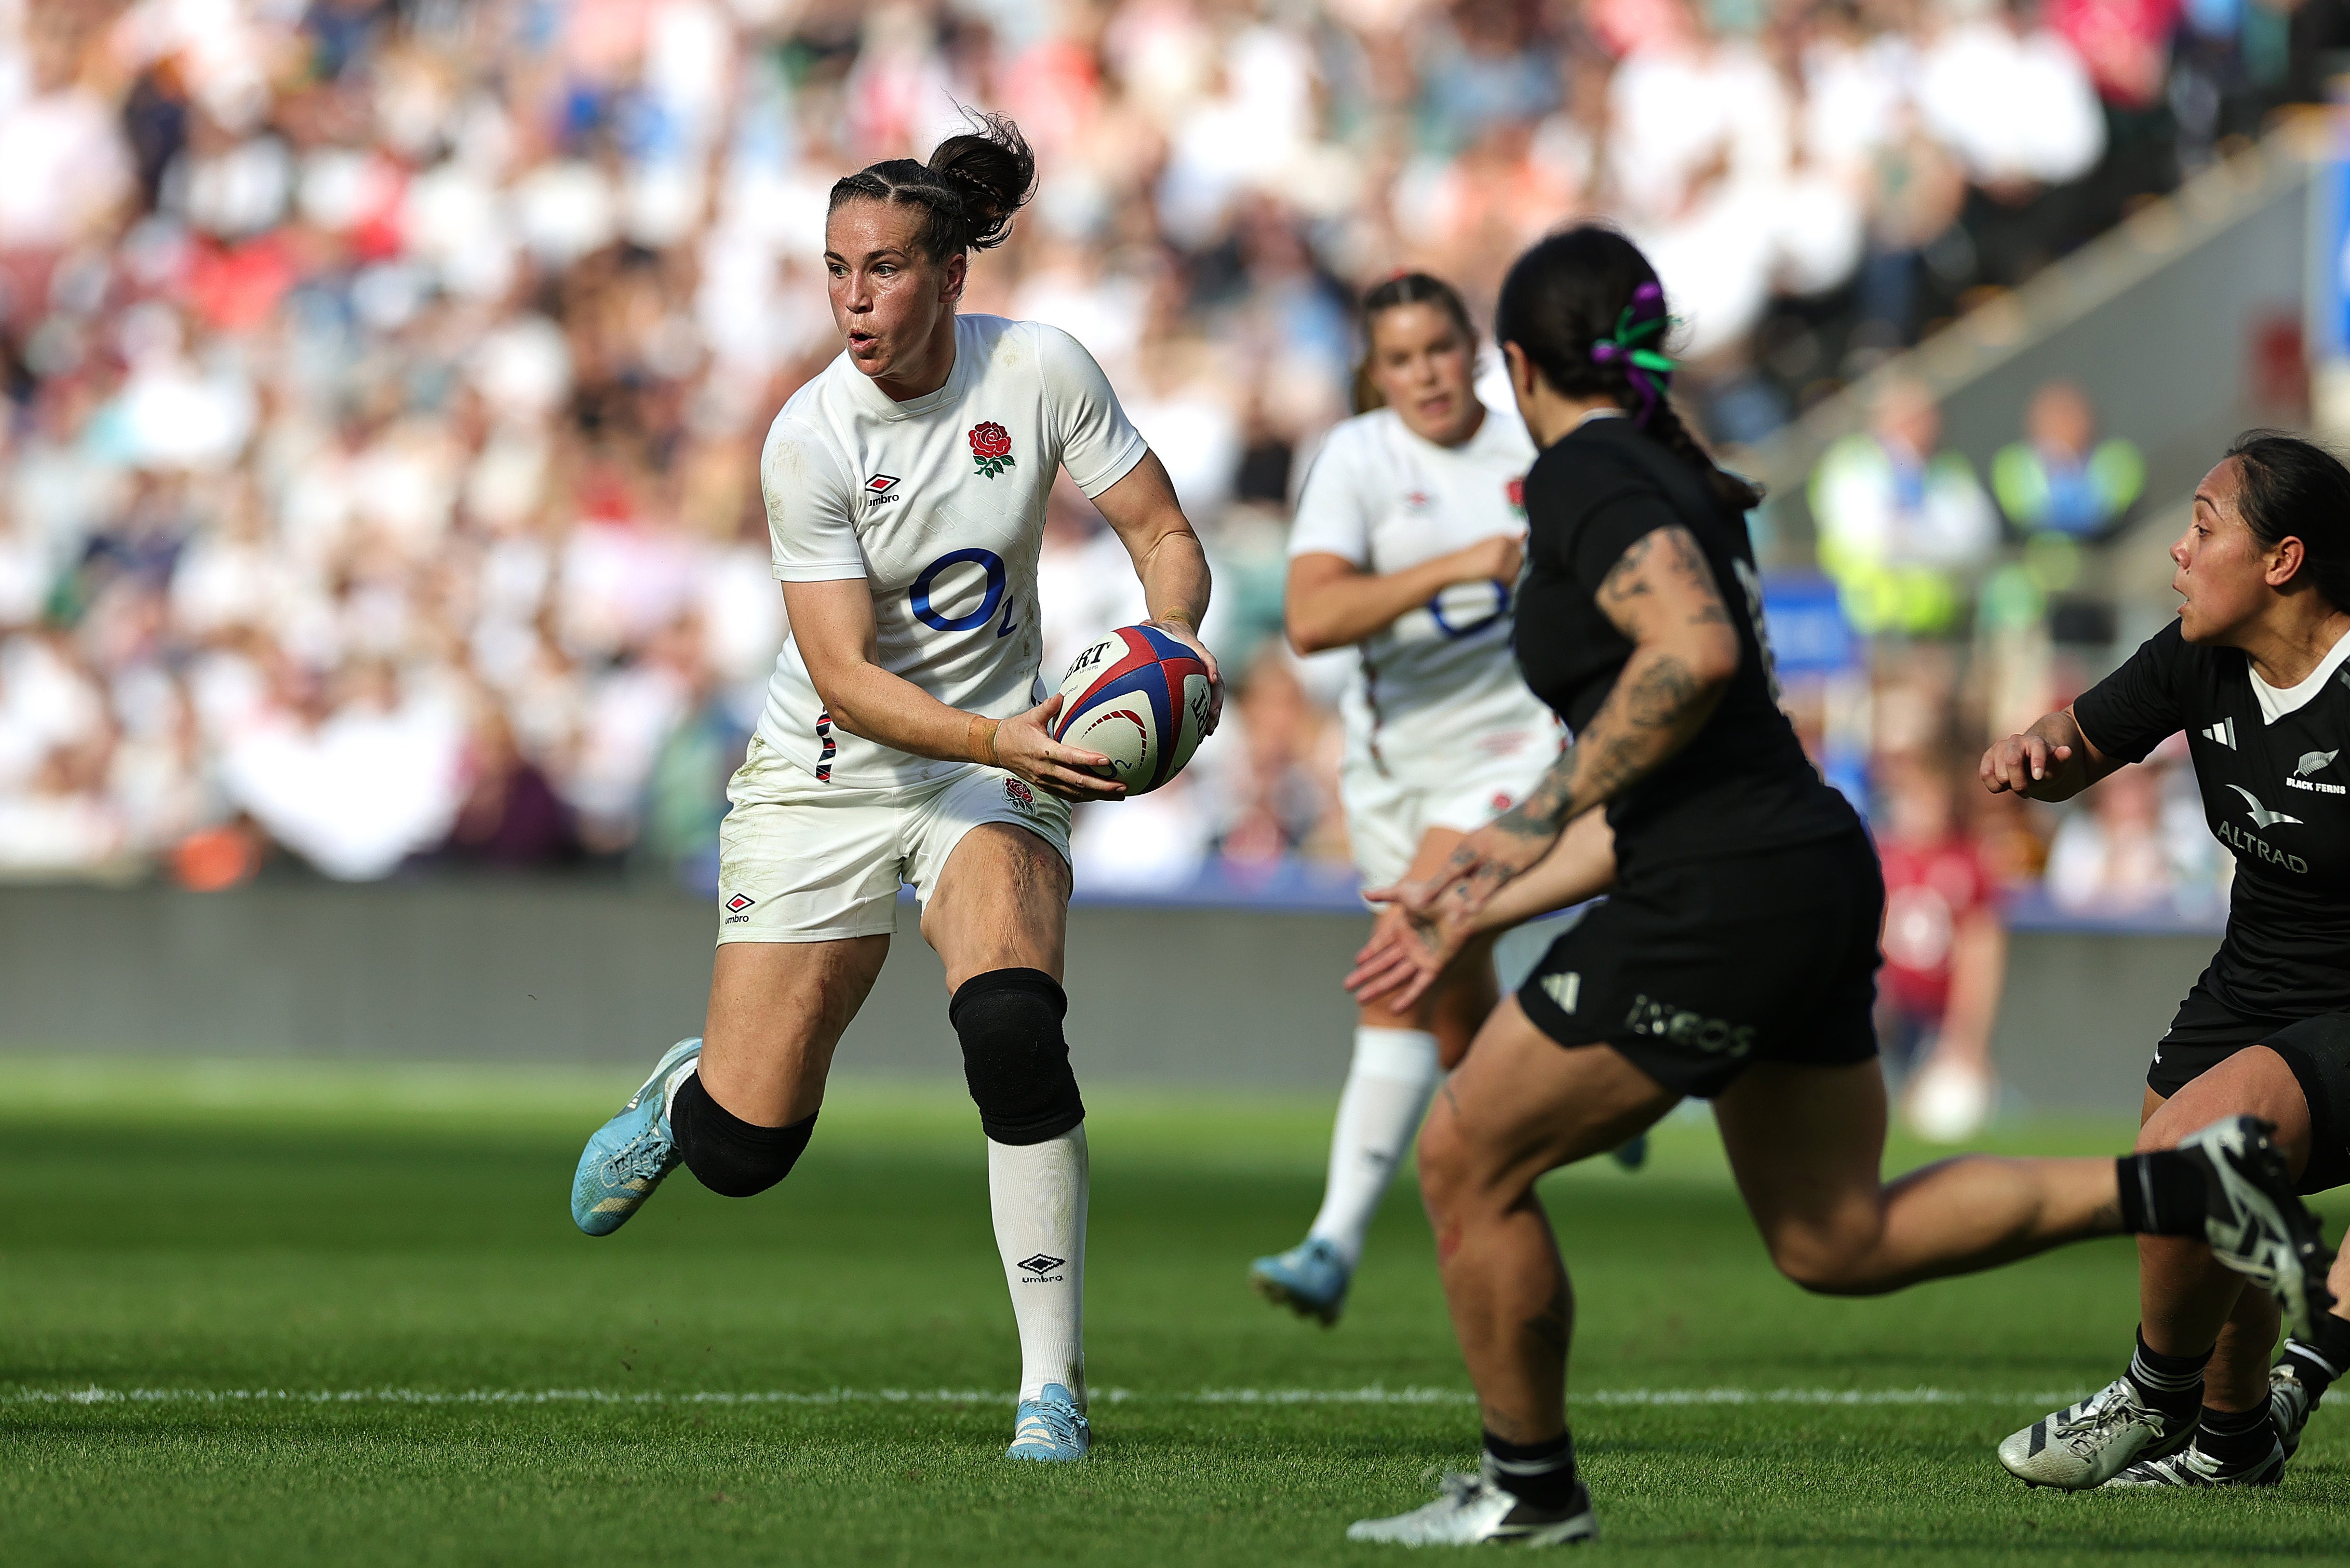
(2276, 793)
(1743, 784)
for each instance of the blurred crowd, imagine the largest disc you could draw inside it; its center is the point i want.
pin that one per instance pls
(384, 381)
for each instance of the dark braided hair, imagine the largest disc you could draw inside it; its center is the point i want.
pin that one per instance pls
(1405, 288)
(2295, 488)
(968, 190)
(1570, 293)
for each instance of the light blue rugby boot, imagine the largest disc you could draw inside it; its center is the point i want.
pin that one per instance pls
(630, 1153)
(1310, 1279)
(1050, 1428)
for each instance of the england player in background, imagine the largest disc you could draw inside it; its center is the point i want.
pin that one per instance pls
(1407, 544)
(906, 739)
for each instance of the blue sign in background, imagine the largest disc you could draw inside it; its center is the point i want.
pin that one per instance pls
(1809, 635)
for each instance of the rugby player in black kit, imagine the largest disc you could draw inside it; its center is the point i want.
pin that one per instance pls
(2256, 670)
(1736, 958)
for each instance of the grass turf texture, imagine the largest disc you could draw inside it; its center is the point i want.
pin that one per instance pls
(302, 1229)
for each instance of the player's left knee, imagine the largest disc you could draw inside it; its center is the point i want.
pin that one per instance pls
(1014, 1056)
(1829, 1264)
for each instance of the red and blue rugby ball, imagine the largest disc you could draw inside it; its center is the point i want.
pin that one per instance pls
(1140, 699)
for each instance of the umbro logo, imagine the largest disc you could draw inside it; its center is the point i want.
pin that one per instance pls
(740, 902)
(2262, 817)
(1040, 1263)
(881, 485)
(2224, 732)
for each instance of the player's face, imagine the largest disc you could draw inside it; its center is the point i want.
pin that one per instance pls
(889, 300)
(1422, 363)
(2223, 571)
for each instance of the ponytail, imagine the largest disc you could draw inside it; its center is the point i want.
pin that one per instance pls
(1585, 306)
(968, 190)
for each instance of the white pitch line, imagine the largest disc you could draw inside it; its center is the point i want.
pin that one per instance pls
(1370, 1395)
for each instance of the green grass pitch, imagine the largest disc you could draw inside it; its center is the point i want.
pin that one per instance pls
(311, 1315)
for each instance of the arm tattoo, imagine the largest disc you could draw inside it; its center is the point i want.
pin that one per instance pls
(1657, 702)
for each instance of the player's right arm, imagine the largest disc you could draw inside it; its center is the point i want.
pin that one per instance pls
(1333, 598)
(829, 602)
(1334, 603)
(2053, 760)
(833, 624)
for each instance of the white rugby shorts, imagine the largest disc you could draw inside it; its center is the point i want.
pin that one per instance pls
(800, 861)
(1388, 814)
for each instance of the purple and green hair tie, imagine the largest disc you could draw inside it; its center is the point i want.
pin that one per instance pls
(1649, 371)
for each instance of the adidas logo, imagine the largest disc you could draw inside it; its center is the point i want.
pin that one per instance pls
(1564, 989)
(2224, 732)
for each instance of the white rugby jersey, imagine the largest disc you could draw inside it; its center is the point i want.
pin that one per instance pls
(1441, 677)
(938, 504)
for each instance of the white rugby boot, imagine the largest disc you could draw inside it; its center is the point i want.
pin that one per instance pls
(2088, 1444)
(1472, 1511)
(2257, 1224)
(2289, 1406)
(2190, 1466)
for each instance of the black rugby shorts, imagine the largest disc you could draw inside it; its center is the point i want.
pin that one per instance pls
(1697, 971)
(2207, 1032)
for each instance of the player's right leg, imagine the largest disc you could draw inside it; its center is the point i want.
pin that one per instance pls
(1520, 1104)
(809, 887)
(1397, 1061)
(737, 1106)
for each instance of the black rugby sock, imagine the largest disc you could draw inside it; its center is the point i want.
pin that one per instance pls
(2162, 1194)
(2237, 1438)
(2319, 1360)
(2172, 1383)
(1540, 1475)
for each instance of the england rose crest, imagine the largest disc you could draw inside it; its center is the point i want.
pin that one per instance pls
(991, 447)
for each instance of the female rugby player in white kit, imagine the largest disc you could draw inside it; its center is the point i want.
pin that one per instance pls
(905, 739)
(1408, 542)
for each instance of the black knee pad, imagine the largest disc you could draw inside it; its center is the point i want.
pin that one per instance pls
(1014, 1056)
(733, 1158)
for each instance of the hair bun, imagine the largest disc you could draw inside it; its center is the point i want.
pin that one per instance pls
(993, 170)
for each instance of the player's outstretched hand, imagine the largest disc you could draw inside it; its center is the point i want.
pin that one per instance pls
(2020, 761)
(1189, 639)
(1406, 952)
(1024, 745)
(1481, 865)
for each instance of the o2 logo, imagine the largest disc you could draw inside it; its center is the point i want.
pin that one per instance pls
(991, 565)
(1476, 622)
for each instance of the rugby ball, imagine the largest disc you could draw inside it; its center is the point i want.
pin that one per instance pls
(1140, 699)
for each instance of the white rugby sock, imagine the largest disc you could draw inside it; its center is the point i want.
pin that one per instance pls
(1037, 1192)
(1388, 1089)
